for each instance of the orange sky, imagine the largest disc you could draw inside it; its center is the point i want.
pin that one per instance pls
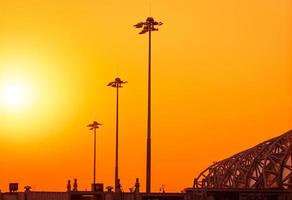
(222, 82)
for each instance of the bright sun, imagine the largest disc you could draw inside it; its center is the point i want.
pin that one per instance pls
(13, 95)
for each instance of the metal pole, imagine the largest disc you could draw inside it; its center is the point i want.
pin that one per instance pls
(117, 141)
(94, 159)
(148, 173)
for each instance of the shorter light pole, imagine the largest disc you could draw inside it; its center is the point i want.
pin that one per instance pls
(93, 127)
(117, 83)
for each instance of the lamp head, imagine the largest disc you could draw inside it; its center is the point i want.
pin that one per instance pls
(149, 25)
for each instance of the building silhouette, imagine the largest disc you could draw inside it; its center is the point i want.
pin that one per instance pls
(265, 166)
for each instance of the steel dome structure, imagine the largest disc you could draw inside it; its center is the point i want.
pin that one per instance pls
(267, 165)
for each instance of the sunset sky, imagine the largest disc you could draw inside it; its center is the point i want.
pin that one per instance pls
(222, 82)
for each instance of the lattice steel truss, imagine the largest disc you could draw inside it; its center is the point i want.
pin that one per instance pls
(267, 165)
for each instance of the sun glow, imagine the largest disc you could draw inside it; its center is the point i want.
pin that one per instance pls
(14, 95)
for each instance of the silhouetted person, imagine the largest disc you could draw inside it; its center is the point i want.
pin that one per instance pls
(69, 186)
(162, 188)
(75, 186)
(119, 186)
(109, 188)
(137, 195)
(27, 188)
(137, 185)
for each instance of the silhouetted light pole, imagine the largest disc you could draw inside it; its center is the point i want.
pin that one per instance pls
(148, 26)
(117, 83)
(93, 127)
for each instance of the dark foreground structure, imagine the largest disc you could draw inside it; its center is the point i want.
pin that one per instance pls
(237, 194)
(263, 172)
(190, 194)
(85, 195)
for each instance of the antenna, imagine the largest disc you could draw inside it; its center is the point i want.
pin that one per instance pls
(117, 70)
(150, 9)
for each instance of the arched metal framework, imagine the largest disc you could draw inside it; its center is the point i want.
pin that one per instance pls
(267, 165)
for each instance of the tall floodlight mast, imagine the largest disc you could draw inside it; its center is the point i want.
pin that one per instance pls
(95, 125)
(148, 26)
(117, 83)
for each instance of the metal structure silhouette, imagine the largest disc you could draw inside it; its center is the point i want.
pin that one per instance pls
(117, 83)
(268, 165)
(148, 26)
(95, 125)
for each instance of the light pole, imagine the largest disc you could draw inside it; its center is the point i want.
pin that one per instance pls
(117, 83)
(93, 127)
(148, 26)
